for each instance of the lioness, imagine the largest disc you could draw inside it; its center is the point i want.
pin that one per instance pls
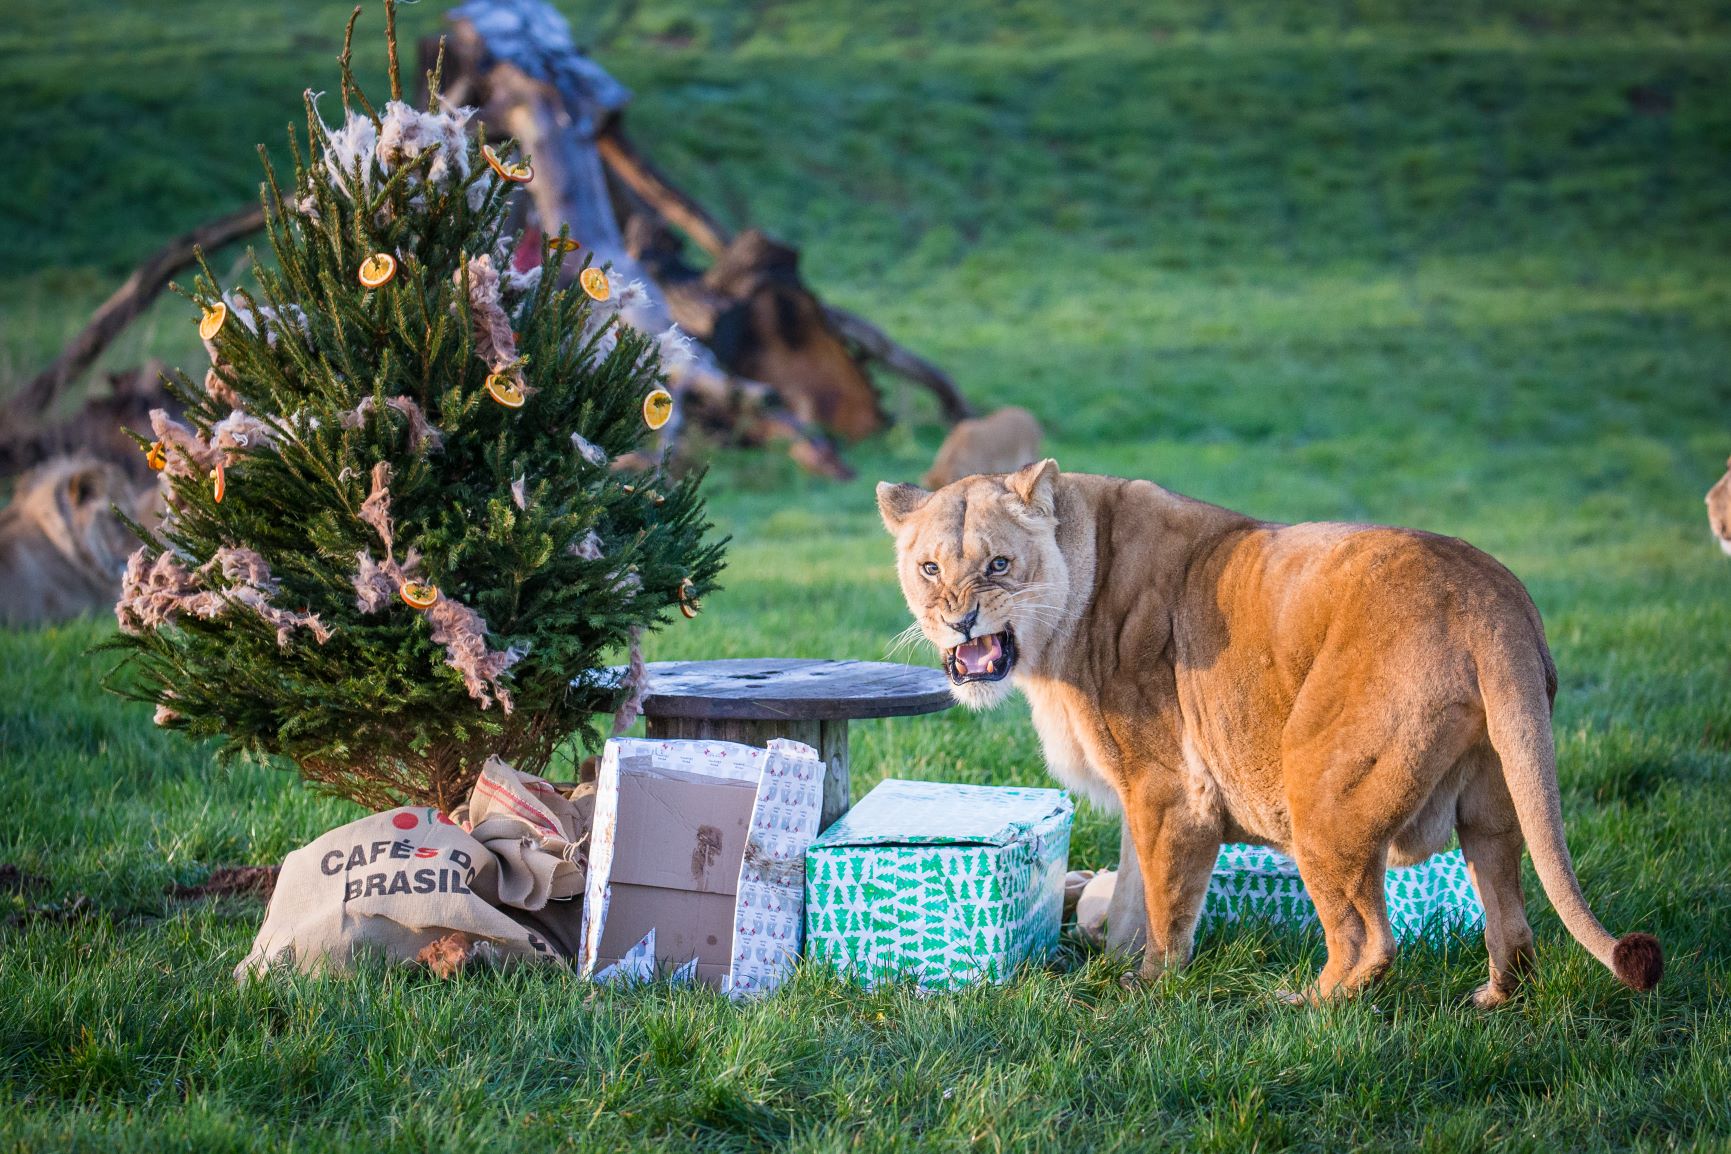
(1000, 443)
(1349, 694)
(61, 546)
(1719, 510)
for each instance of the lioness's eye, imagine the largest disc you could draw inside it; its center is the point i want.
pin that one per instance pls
(999, 565)
(930, 568)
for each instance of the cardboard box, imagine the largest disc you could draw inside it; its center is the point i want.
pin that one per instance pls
(946, 884)
(696, 862)
(1253, 882)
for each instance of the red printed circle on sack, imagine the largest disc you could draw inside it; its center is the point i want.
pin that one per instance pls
(405, 821)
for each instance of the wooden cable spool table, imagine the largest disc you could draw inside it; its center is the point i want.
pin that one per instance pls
(752, 700)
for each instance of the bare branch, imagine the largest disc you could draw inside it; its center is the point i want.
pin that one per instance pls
(146, 283)
(643, 178)
(874, 344)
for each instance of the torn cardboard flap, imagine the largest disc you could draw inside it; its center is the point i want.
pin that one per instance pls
(697, 862)
(678, 834)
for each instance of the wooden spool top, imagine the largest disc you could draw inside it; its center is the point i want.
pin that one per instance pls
(772, 689)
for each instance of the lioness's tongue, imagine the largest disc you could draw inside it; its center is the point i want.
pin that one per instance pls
(976, 655)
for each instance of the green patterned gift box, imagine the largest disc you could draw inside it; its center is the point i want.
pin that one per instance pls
(944, 884)
(1253, 882)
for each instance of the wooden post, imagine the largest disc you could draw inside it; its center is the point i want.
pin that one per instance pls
(837, 782)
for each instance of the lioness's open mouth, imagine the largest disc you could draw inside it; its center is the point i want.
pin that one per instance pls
(986, 658)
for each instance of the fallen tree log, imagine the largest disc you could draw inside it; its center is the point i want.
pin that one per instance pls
(758, 317)
(514, 60)
(873, 344)
(646, 182)
(865, 342)
(98, 429)
(773, 362)
(26, 410)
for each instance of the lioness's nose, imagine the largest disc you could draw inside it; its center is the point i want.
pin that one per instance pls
(965, 626)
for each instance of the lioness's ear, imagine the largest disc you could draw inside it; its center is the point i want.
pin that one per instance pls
(896, 503)
(1034, 486)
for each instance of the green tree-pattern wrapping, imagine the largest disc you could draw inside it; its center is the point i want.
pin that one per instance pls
(944, 884)
(359, 447)
(1253, 883)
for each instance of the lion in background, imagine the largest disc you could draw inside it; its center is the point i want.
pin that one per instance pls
(1351, 695)
(1719, 510)
(1000, 443)
(62, 549)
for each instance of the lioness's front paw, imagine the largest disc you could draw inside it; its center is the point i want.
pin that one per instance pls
(1313, 995)
(1147, 976)
(1490, 995)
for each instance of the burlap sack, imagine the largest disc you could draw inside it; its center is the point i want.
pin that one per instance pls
(392, 883)
(539, 835)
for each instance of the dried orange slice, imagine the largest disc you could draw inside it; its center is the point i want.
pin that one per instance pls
(657, 408)
(377, 270)
(505, 390)
(594, 282)
(218, 483)
(562, 244)
(419, 594)
(515, 171)
(211, 322)
(688, 604)
(156, 456)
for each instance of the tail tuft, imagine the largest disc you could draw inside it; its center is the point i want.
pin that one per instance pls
(1637, 961)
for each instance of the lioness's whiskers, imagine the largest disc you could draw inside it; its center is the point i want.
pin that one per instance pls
(1037, 609)
(903, 640)
(1036, 587)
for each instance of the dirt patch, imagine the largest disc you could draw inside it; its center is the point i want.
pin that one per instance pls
(15, 881)
(1650, 100)
(77, 908)
(232, 882)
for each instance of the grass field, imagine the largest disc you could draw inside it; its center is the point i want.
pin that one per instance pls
(1466, 267)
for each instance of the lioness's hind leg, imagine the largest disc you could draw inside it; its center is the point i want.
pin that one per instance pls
(1490, 836)
(1358, 770)
(1340, 838)
(1345, 881)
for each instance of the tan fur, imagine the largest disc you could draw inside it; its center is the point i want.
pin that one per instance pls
(62, 548)
(1000, 443)
(1719, 510)
(1349, 694)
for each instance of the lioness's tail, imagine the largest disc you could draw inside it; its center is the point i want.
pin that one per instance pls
(1518, 716)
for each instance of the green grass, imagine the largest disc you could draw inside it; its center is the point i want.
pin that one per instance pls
(1457, 266)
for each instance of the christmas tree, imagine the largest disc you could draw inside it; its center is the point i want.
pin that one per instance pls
(395, 544)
